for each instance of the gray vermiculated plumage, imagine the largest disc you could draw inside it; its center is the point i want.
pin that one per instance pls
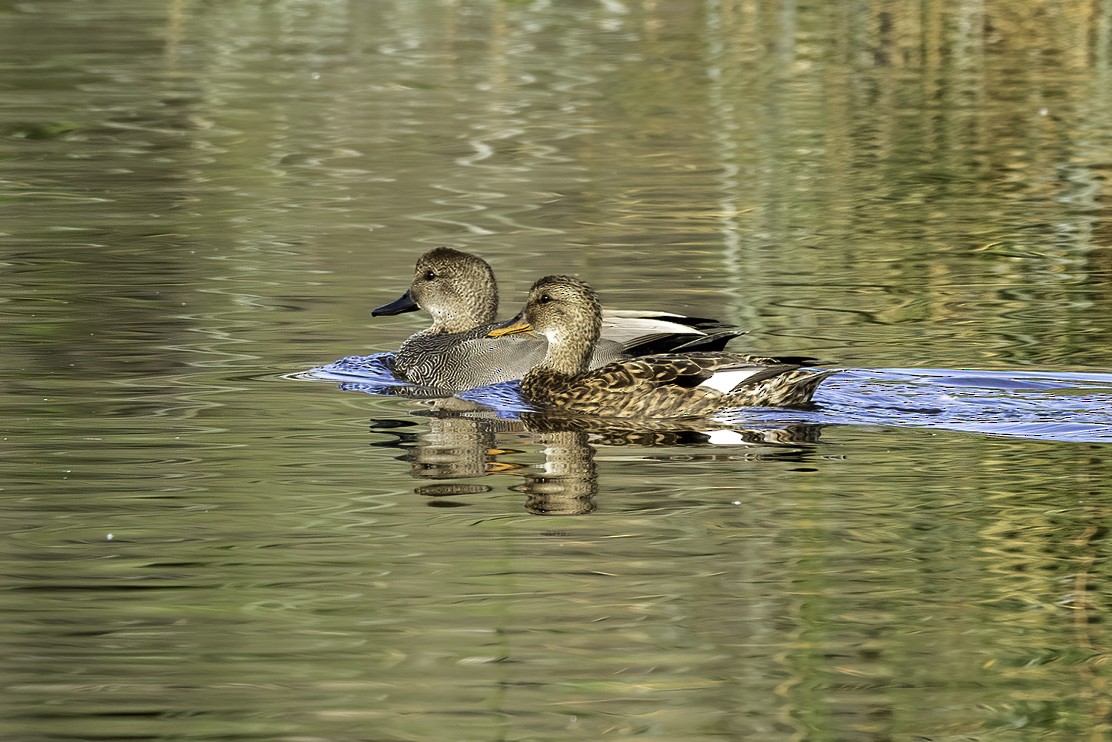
(566, 310)
(454, 353)
(466, 360)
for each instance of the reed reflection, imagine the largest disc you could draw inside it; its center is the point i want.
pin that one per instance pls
(454, 439)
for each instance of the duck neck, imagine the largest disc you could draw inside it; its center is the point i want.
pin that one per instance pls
(566, 359)
(463, 316)
(449, 323)
(569, 355)
(465, 312)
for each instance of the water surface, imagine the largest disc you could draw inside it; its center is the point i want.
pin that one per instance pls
(201, 199)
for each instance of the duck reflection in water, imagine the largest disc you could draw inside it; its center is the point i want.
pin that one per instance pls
(464, 440)
(461, 442)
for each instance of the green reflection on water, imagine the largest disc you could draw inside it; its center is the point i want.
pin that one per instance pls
(228, 188)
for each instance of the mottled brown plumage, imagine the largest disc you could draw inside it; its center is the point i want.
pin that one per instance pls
(567, 312)
(459, 291)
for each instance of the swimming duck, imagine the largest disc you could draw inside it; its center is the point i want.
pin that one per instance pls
(566, 311)
(454, 353)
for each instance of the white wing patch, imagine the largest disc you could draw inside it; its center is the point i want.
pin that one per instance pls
(623, 330)
(728, 379)
(638, 313)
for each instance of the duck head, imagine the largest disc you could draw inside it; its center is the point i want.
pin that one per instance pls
(457, 288)
(566, 311)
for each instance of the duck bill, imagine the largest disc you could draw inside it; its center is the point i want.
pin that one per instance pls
(515, 326)
(401, 305)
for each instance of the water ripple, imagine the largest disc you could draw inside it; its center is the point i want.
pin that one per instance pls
(1043, 405)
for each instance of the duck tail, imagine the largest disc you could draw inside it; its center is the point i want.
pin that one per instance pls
(790, 388)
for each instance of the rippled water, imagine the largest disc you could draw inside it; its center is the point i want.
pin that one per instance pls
(1031, 404)
(203, 201)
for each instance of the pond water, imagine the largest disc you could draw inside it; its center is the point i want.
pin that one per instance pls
(203, 201)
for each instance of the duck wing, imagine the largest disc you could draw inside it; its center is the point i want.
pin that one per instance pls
(719, 373)
(645, 333)
(613, 316)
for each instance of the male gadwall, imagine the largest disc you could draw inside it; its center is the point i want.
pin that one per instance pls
(567, 312)
(454, 353)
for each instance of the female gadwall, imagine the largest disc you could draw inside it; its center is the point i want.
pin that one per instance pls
(567, 312)
(454, 353)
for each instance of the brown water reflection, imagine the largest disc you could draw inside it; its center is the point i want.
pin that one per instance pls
(464, 440)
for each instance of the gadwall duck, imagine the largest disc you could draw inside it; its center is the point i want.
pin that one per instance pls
(454, 353)
(566, 311)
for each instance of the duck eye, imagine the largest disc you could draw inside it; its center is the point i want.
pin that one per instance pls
(430, 275)
(544, 299)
